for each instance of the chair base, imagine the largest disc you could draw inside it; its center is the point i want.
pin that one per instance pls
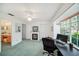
(49, 54)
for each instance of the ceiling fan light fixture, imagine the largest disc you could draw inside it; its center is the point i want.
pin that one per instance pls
(29, 19)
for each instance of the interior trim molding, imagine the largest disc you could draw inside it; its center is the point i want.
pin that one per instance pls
(77, 13)
(64, 11)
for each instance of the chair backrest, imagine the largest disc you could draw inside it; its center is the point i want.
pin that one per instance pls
(48, 44)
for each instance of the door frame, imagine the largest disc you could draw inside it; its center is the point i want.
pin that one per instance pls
(23, 31)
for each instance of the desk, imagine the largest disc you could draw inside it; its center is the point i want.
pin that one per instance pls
(65, 51)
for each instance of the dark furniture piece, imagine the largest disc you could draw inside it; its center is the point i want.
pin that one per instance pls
(48, 46)
(66, 51)
(62, 37)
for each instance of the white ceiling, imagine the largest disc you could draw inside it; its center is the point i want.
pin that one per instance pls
(38, 11)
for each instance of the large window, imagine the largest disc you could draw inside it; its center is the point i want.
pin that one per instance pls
(70, 27)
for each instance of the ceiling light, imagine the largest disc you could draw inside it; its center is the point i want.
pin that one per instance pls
(29, 18)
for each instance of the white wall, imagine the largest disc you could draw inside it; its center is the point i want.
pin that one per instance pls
(44, 29)
(16, 37)
(69, 12)
(56, 30)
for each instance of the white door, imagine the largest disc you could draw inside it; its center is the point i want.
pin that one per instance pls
(0, 39)
(23, 31)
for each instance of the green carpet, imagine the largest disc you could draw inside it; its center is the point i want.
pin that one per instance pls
(25, 48)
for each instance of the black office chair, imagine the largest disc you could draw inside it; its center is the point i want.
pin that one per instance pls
(48, 46)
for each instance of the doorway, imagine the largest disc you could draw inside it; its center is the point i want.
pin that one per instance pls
(0, 40)
(5, 33)
(23, 31)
